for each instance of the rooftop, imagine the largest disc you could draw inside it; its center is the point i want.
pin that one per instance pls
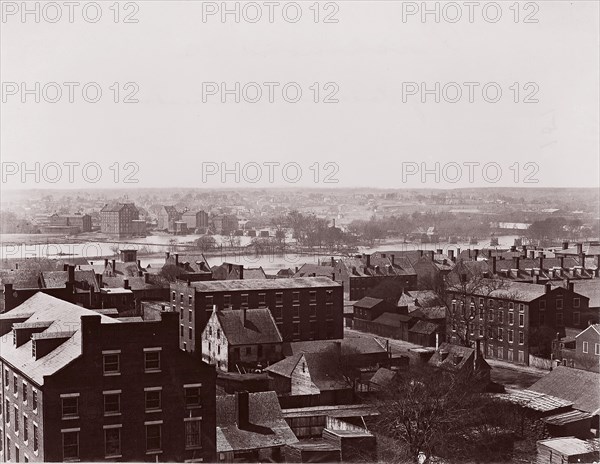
(259, 327)
(263, 284)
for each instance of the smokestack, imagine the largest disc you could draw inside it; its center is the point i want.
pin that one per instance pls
(114, 265)
(72, 274)
(243, 408)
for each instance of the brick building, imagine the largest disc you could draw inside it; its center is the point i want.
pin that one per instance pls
(309, 308)
(167, 216)
(195, 220)
(117, 219)
(518, 319)
(81, 386)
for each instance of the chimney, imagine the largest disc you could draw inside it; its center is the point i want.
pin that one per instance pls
(176, 259)
(541, 262)
(332, 262)
(16, 266)
(241, 272)
(139, 263)
(105, 262)
(477, 350)
(368, 256)
(451, 255)
(571, 286)
(146, 278)
(167, 255)
(524, 249)
(90, 329)
(333, 276)
(126, 283)
(114, 266)
(476, 250)
(91, 298)
(490, 252)
(516, 262)
(99, 280)
(531, 254)
(244, 316)
(296, 269)
(431, 255)
(65, 267)
(548, 287)
(565, 245)
(243, 409)
(72, 274)
(421, 253)
(536, 279)
(579, 248)
(393, 259)
(494, 265)
(513, 248)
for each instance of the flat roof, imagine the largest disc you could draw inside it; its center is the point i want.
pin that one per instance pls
(263, 284)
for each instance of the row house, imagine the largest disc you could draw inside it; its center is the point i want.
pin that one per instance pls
(80, 386)
(309, 308)
(514, 319)
(118, 219)
(362, 273)
(581, 351)
(540, 269)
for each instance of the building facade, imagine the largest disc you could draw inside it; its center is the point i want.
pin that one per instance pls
(309, 308)
(80, 386)
(117, 219)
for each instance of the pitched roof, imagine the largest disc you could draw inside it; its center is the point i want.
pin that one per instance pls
(348, 346)
(590, 289)
(64, 318)
(535, 400)
(307, 270)
(418, 298)
(58, 279)
(116, 207)
(367, 302)
(458, 357)
(424, 327)
(383, 377)
(575, 385)
(324, 369)
(260, 327)
(392, 319)
(264, 413)
(22, 278)
(263, 284)
(594, 327)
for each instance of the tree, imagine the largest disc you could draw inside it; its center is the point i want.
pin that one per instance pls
(206, 243)
(461, 291)
(431, 412)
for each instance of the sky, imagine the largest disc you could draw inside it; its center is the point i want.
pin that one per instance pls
(359, 108)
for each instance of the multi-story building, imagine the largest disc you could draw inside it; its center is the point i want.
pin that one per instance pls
(195, 220)
(80, 386)
(308, 308)
(167, 216)
(241, 340)
(363, 272)
(117, 219)
(225, 224)
(516, 319)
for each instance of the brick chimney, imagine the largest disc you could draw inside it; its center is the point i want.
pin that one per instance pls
(176, 259)
(565, 245)
(476, 251)
(71, 274)
(579, 248)
(167, 255)
(243, 409)
(494, 265)
(516, 262)
(541, 266)
(571, 286)
(432, 255)
(126, 283)
(548, 287)
(241, 272)
(244, 316)
(368, 256)
(451, 255)
(393, 257)
(332, 262)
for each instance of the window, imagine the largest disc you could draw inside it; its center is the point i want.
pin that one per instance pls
(6, 378)
(36, 442)
(278, 298)
(521, 338)
(181, 330)
(174, 296)
(542, 319)
(112, 441)
(112, 402)
(511, 305)
(152, 359)
(244, 299)
(16, 424)
(542, 305)
(190, 299)
(500, 352)
(218, 334)
(70, 406)
(190, 333)
(559, 303)
(559, 318)
(491, 315)
(153, 436)
(34, 404)
(25, 428)
(510, 336)
(585, 347)
(152, 398)
(15, 385)
(576, 302)
(262, 299)
(312, 297)
(193, 432)
(24, 392)
(597, 349)
(296, 329)
(500, 316)
(70, 439)
(189, 315)
(521, 320)
(208, 302)
(500, 334)
(226, 301)
(511, 318)
(329, 296)
(7, 412)
(480, 301)
(248, 351)
(181, 298)
(296, 311)
(111, 360)
(576, 318)
(491, 303)
(481, 312)
(192, 396)
(7, 448)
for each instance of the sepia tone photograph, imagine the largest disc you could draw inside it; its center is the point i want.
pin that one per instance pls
(312, 231)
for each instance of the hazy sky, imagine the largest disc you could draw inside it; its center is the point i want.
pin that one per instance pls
(378, 134)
